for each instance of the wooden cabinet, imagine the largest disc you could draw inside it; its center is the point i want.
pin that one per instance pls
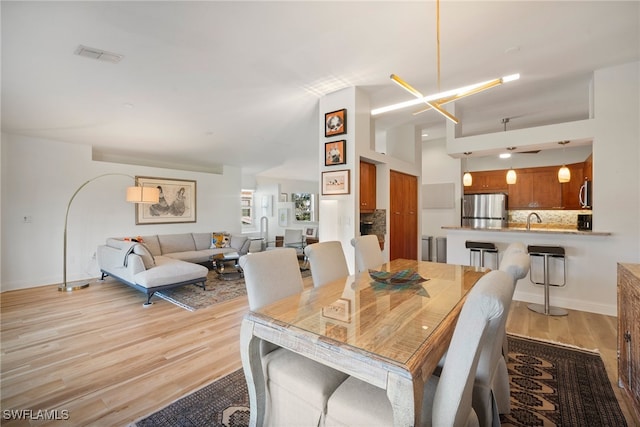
(629, 331)
(367, 187)
(488, 182)
(571, 189)
(536, 188)
(403, 230)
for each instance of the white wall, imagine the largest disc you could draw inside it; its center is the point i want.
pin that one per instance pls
(40, 176)
(616, 191)
(439, 168)
(274, 187)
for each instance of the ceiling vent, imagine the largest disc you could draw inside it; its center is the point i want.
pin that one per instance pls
(99, 54)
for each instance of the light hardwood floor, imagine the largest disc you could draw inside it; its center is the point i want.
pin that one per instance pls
(98, 354)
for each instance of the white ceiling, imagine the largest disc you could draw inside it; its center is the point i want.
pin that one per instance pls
(208, 83)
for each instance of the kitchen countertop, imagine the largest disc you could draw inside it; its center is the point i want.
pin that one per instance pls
(534, 230)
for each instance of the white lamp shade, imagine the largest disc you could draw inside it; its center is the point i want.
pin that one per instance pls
(511, 177)
(143, 194)
(467, 179)
(564, 174)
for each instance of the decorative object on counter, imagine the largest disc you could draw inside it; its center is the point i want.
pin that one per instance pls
(335, 182)
(335, 153)
(335, 123)
(176, 203)
(136, 194)
(437, 100)
(564, 174)
(467, 179)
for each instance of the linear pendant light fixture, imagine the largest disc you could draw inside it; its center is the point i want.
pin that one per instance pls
(436, 101)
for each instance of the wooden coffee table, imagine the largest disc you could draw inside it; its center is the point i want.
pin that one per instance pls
(219, 261)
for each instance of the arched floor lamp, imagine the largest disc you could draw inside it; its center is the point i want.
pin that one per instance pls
(135, 194)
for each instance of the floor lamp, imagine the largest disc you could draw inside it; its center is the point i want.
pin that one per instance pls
(135, 194)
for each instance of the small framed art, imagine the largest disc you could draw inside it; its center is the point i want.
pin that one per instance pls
(335, 182)
(335, 153)
(335, 123)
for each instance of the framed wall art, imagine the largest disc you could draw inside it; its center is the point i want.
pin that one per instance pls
(335, 182)
(335, 153)
(283, 217)
(335, 123)
(177, 201)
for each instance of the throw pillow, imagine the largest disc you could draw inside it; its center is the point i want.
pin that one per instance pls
(220, 240)
(147, 258)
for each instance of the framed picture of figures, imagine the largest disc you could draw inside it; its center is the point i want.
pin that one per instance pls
(177, 201)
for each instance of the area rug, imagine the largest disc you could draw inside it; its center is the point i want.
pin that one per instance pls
(217, 290)
(551, 385)
(193, 297)
(556, 385)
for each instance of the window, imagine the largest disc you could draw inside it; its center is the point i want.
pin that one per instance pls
(246, 206)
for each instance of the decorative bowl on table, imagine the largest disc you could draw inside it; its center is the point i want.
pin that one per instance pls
(398, 278)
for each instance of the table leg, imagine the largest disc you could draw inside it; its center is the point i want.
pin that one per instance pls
(252, 366)
(406, 400)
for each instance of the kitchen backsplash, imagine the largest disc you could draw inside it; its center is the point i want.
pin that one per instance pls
(550, 218)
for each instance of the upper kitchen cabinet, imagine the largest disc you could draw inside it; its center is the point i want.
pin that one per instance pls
(367, 187)
(571, 189)
(494, 181)
(536, 188)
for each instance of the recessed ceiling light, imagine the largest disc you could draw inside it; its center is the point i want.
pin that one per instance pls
(505, 155)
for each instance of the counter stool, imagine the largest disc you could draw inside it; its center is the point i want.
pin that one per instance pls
(481, 248)
(548, 253)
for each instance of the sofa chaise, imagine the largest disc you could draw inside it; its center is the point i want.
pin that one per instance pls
(164, 261)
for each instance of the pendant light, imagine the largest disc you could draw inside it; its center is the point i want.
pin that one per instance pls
(467, 179)
(436, 101)
(512, 177)
(564, 174)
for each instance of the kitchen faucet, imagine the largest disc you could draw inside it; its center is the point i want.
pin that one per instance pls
(529, 219)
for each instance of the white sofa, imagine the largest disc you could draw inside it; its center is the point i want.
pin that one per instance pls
(164, 261)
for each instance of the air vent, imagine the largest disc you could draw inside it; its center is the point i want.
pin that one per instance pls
(99, 54)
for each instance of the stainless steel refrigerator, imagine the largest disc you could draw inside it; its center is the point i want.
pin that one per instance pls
(484, 210)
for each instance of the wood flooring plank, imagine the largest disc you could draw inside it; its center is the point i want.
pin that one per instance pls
(101, 355)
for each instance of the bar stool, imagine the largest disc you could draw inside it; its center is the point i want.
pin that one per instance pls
(548, 252)
(481, 248)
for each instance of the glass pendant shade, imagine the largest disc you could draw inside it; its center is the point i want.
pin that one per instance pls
(467, 179)
(511, 177)
(564, 174)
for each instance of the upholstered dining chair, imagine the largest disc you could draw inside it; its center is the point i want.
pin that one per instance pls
(297, 387)
(516, 262)
(368, 253)
(327, 262)
(447, 399)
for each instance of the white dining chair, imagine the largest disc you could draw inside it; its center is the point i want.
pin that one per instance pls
(516, 263)
(327, 262)
(447, 399)
(368, 253)
(297, 387)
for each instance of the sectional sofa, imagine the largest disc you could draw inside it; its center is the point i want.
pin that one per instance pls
(163, 261)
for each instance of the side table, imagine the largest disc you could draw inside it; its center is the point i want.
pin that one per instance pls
(218, 261)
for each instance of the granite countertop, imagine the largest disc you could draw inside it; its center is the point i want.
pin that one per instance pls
(535, 230)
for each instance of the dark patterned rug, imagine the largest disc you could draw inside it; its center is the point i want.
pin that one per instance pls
(551, 385)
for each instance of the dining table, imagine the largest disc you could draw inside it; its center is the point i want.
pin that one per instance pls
(389, 327)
